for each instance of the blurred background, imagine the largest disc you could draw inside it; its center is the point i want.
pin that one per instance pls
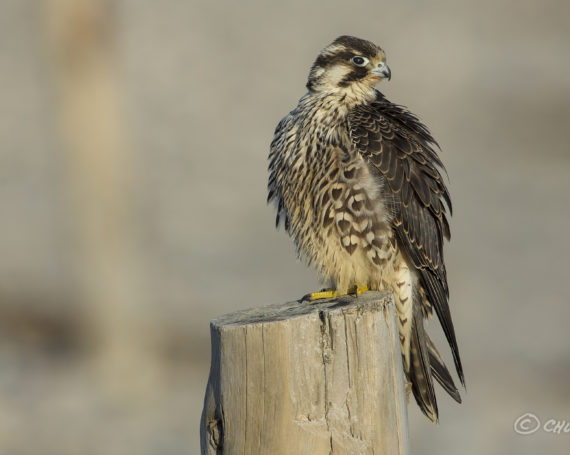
(133, 145)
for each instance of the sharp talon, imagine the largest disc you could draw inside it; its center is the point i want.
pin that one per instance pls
(359, 289)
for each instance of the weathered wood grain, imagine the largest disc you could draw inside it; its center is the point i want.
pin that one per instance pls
(300, 378)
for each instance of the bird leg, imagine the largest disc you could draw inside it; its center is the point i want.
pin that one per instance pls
(356, 290)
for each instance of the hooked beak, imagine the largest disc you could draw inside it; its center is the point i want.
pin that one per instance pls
(383, 71)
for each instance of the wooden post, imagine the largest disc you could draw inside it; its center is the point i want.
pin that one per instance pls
(299, 378)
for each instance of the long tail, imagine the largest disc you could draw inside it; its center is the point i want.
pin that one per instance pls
(426, 361)
(419, 372)
(440, 372)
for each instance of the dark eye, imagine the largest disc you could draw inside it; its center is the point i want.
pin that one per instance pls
(360, 61)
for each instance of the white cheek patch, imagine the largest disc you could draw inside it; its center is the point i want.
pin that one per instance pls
(335, 75)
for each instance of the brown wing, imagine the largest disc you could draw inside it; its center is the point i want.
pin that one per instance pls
(400, 149)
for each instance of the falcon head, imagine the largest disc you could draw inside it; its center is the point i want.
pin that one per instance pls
(348, 62)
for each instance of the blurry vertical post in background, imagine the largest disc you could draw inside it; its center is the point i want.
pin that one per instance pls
(81, 39)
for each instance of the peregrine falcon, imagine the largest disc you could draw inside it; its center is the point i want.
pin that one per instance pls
(357, 183)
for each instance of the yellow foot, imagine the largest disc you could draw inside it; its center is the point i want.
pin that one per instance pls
(326, 294)
(356, 290)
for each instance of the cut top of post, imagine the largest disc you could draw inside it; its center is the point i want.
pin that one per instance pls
(369, 301)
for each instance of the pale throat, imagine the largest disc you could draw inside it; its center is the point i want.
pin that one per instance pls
(357, 93)
(349, 96)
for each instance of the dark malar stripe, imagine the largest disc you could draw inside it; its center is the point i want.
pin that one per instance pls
(356, 75)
